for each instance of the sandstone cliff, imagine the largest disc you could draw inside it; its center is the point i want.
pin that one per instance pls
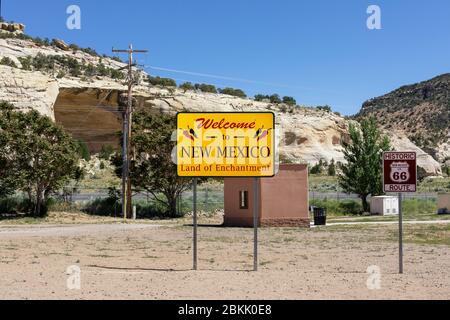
(90, 108)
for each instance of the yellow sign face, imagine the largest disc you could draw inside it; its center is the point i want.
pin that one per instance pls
(226, 144)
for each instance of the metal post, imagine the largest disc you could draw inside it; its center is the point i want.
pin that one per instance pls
(124, 166)
(255, 222)
(130, 123)
(195, 225)
(400, 233)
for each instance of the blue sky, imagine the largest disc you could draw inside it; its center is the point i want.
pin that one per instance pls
(320, 51)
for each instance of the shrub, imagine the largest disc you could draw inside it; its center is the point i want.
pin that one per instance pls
(208, 88)
(102, 70)
(319, 167)
(90, 51)
(163, 82)
(112, 207)
(116, 74)
(6, 61)
(26, 62)
(446, 170)
(74, 47)
(324, 108)
(261, 97)
(90, 70)
(14, 205)
(419, 206)
(103, 207)
(332, 168)
(289, 101)
(233, 92)
(337, 208)
(106, 152)
(83, 150)
(61, 74)
(187, 86)
(275, 98)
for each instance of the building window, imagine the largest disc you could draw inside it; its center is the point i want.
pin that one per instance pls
(243, 200)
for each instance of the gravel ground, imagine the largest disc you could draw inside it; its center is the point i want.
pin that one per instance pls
(153, 261)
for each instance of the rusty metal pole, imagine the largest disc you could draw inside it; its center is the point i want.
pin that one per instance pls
(256, 199)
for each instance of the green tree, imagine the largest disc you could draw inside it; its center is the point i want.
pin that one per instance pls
(261, 97)
(116, 74)
(208, 88)
(275, 98)
(187, 86)
(9, 176)
(319, 167)
(44, 155)
(83, 150)
(324, 108)
(332, 168)
(6, 61)
(26, 62)
(233, 92)
(163, 82)
(153, 169)
(106, 152)
(102, 70)
(289, 101)
(90, 70)
(362, 172)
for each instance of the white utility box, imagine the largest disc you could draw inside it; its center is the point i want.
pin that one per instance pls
(444, 203)
(384, 206)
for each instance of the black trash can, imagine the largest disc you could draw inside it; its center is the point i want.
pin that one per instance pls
(320, 217)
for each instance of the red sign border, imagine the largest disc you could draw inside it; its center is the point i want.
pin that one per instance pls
(399, 152)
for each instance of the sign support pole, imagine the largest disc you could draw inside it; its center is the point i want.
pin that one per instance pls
(255, 222)
(195, 258)
(400, 232)
(400, 175)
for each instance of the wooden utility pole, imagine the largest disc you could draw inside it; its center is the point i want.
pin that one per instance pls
(127, 123)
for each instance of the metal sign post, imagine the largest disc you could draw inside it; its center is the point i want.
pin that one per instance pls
(226, 144)
(255, 222)
(195, 223)
(400, 175)
(400, 232)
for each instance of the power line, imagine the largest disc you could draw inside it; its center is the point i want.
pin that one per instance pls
(234, 79)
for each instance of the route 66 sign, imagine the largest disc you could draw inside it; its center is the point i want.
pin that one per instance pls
(400, 171)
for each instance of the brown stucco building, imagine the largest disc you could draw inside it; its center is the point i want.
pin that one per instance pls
(283, 199)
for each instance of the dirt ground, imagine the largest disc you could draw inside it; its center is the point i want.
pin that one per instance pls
(154, 261)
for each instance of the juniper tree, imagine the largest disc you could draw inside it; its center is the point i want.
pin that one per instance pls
(152, 169)
(39, 155)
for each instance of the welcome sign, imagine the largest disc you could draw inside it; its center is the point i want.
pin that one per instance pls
(226, 144)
